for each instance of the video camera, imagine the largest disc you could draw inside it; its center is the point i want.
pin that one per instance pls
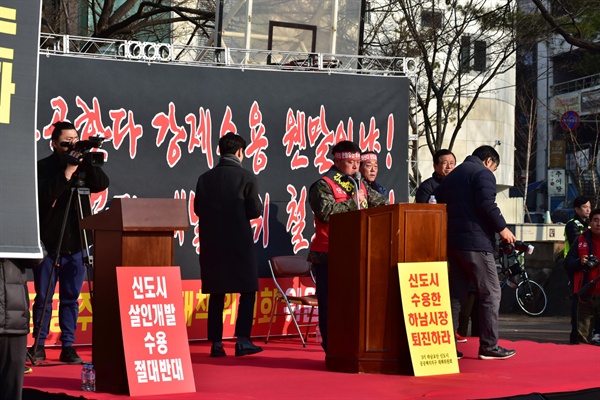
(592, 262)
(509, 248)
(84, 147)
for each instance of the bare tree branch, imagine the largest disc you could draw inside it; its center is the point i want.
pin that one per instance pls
(445, 93)
(584, 44)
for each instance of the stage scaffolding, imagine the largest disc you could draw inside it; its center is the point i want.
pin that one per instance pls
(79, 46)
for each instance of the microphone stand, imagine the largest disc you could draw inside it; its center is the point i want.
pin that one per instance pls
(357, 187)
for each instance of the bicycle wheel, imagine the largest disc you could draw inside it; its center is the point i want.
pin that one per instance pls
(531, 297)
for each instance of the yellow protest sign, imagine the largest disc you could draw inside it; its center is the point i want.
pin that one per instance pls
(428, 317)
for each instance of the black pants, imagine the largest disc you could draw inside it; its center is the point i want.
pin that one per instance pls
(13, 351)
(574, 335)
(470, 312)
(243, 322)
(476, 268)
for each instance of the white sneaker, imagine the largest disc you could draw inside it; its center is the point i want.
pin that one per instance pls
(596, 338)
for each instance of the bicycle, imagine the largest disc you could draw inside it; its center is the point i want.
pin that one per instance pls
(530, 295)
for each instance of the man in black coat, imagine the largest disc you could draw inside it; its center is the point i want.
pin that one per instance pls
(473, 220)
(14, 325)
(226, 200)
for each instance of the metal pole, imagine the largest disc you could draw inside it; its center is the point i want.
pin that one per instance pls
(219, 27)
(248, 29)
(334, 19)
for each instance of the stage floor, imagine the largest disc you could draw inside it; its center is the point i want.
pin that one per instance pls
(287, 370)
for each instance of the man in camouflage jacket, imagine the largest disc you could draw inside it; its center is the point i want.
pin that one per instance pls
(334, 193)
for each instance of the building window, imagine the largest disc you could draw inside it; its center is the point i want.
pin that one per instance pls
(431, 19)
(473, 54)
(465, 54)
(479, 55)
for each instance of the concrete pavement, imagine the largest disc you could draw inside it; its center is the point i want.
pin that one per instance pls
(551, 329)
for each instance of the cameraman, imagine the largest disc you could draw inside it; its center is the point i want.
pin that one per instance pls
(582, 262)
(59, 175)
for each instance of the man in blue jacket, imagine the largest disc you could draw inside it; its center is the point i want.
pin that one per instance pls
(469, 192)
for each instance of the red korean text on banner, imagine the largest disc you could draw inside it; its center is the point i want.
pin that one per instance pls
(157, 354)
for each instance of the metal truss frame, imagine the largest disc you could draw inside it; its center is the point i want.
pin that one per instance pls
(80, 46)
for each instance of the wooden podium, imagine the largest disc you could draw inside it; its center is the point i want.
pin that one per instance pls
(366, 330)
(132, 232)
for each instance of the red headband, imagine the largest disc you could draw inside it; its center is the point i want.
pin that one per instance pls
(368, 157)
(346, 155)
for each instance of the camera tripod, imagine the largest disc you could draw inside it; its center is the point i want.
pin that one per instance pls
(78, 191)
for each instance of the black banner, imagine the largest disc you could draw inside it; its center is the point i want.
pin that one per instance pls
(19, 41)
(162, 124)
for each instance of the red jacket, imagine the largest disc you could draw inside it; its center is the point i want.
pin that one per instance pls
(320, 242)
(586, 245)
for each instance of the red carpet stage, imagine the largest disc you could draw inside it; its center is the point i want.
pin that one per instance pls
(287, 370)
